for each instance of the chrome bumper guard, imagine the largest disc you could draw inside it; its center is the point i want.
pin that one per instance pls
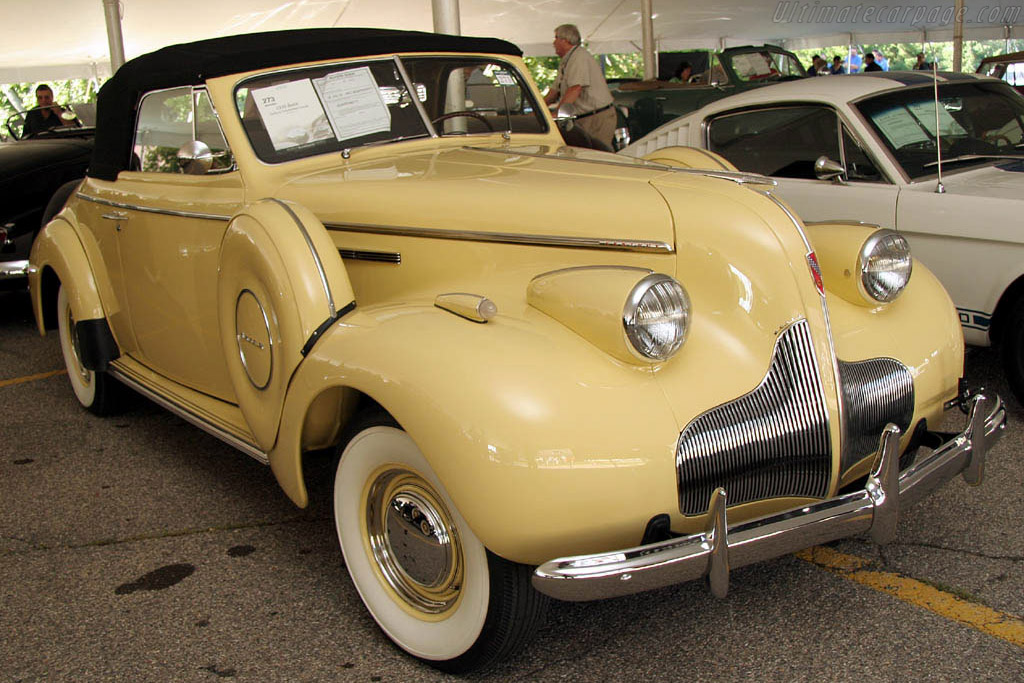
(875, 509)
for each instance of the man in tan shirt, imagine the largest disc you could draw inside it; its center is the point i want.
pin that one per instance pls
(580, 89)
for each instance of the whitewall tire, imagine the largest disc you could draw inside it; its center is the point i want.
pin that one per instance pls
(419, 569)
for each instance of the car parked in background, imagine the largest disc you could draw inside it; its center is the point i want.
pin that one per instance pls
(32, 169)
(1008, 67)
(376, 243)
(648, 104)
(866, 147)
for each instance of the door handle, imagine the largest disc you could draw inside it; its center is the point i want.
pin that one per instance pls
(116, 216)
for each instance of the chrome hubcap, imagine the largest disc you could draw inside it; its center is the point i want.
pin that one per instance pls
(73, 339)
(413, 541)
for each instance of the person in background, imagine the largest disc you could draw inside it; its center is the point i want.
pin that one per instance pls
(869, 62)
(837, 66)
(921, 64)
(580, 88)
(855, 60)
(46, 115)
(881, 61)
(683, 73)
(815, 67)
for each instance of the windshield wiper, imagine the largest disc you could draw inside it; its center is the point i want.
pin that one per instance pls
(974, 157)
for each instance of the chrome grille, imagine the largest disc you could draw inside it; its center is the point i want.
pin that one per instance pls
(771, 442)
(875, 393)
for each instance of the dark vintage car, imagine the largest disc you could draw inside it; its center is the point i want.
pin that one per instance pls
(648, 104)
(1008, 67)
(32, 169)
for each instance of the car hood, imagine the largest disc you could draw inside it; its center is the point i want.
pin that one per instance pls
(506, 190)
(1002, 180)
(24, 157)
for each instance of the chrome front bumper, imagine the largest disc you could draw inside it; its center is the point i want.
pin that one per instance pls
(719, 548)
(13, 270)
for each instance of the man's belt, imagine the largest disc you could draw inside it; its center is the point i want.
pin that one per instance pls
(591, 113)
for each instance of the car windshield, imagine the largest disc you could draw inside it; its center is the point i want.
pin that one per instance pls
(765, 65)
(301, 113)
(51, 120)
(976, 122)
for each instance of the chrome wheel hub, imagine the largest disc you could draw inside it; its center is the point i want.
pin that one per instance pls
(80, 369)
(413, 541)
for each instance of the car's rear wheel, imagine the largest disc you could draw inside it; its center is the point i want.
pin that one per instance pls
(424, 576)
(96, 391)
(1013, 348)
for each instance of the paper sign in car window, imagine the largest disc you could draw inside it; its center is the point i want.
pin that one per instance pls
(504, 78)
(354, 103)
(925, 111)
(747, 66)
(900, 127)
(292, 114)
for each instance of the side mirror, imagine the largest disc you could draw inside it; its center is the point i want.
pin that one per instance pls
(827, 169)
(195, 158)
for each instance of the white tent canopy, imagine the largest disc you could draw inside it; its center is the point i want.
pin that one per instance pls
(70, 41)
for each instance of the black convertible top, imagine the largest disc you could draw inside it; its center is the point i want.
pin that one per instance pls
(193, 63)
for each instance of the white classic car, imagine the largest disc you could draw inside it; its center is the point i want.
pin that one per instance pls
(864, 147)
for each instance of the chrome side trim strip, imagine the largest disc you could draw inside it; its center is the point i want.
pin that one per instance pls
(609, 243)
(740, 177)
(149, 209)
(377, 256)
(853, 221)
(312, 250)
(191, 417)
(874, 509)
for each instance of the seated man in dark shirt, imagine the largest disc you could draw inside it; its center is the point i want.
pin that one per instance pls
(46, 115)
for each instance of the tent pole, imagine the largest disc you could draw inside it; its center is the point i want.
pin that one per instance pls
(446, 17)
(958, 37)
(115, 41)
(13, 98)
(647, 24)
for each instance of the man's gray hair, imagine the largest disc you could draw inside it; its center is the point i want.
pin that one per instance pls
(569, 33)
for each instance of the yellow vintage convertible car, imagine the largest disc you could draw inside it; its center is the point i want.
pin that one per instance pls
(547, 371)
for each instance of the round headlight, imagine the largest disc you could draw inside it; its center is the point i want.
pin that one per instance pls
(656, 317)
(885, 265)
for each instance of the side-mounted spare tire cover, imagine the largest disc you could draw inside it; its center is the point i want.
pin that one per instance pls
(281, 284)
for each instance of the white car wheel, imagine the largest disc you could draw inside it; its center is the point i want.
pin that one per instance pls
(418, 568)
(83, 381)
(421, 572)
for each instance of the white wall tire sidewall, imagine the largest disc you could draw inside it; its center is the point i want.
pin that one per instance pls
(84, 387)
(432, 640)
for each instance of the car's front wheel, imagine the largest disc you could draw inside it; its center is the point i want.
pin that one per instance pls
(421, 572)
(94, 390)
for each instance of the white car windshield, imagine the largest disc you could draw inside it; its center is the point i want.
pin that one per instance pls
(300, 113)
(976, 123)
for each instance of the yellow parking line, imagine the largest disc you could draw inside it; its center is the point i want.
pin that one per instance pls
(984, 619)
(30, 378)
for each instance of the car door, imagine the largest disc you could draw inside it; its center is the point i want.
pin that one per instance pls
(170, 227)
(784, 142)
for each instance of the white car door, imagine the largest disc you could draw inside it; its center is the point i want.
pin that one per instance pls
(784, 141)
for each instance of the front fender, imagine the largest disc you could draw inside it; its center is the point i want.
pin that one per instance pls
(58, 248)
(525, 423)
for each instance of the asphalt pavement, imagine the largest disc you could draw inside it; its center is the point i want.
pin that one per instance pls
(137, 548)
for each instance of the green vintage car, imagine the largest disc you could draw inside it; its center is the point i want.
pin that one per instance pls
(648, 104)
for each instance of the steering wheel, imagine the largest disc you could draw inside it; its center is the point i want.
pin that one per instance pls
(464, 112)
